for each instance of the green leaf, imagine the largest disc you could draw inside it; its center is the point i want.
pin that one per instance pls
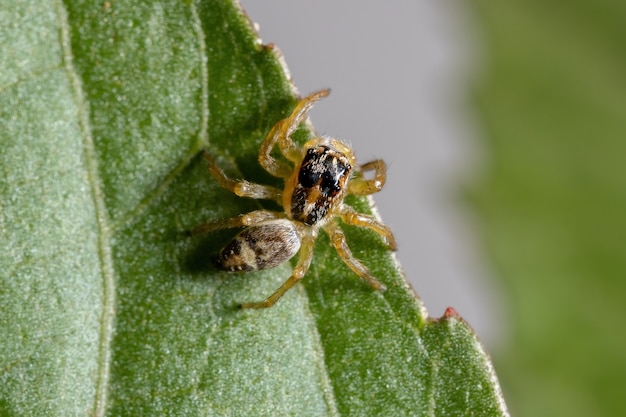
(109, 309)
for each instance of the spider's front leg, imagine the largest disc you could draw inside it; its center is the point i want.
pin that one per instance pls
(362, 186)
(281, 135)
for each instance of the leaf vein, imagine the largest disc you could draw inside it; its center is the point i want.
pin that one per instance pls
(105, 254)
(202, 138)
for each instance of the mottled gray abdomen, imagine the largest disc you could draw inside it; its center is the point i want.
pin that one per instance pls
(265, 245)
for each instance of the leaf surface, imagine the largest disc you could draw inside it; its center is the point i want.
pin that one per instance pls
(109, 309)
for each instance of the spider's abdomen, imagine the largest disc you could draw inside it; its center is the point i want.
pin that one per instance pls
(320, 183)
(265, 245)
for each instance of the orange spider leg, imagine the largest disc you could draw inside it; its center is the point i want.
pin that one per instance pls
(304, 261)
(248, 219)
(281, 135)
(362, 186)
(242, 188)
(338, 240)
(350, 216)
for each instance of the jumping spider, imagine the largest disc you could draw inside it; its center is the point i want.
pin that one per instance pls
(317, 178)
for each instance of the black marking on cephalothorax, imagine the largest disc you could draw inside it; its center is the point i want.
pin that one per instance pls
(321, 180)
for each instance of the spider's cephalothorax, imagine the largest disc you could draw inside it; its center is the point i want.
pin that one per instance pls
(318, 185)
(317, 177)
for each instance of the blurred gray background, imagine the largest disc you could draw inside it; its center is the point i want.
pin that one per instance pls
(400, 73)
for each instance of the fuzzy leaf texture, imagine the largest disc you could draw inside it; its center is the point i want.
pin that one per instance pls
(107, 308)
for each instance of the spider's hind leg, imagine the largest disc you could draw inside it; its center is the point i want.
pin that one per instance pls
(338, 240)
(304, 261)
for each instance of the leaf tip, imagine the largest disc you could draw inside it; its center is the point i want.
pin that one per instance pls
(451, 313)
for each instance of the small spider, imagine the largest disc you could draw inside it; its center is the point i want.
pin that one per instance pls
(317, 178)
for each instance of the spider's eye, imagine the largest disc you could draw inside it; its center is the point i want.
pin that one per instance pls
(323, 169)
(330, 183)
(308, 177)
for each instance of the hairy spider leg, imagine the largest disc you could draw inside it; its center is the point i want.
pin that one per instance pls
(244, 220)
(338, 239)
(304, 262)
(242, 188)
(349, 216)
(362, 186)
(281, 135)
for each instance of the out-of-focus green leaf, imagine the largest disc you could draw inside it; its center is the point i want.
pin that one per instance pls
(107, 308)
(553, 203)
